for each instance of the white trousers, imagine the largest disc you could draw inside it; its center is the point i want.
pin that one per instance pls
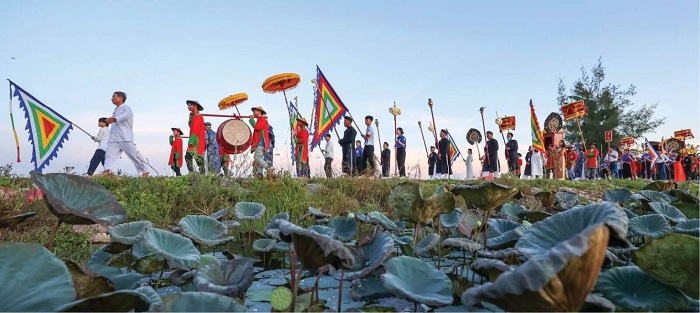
(114, 151)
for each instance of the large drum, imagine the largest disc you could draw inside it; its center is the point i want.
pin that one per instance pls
(234, 136)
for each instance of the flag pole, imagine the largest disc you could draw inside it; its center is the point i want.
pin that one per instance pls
(12, 120)
(488, 158)
(580, 132)
(424, 144)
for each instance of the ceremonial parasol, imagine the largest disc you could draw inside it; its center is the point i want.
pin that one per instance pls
(233, 101)
(474, 137)
(281, 82)
(553, 123)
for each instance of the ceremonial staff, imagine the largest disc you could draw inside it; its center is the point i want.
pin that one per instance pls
(486, 145)
(376, 122)
(424, 145)
(430, 104)
(395, 111)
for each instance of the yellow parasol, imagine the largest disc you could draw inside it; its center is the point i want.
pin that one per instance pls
(280, 82)
(233, 101)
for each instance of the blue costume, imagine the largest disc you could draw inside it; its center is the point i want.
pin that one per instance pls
(213, 158)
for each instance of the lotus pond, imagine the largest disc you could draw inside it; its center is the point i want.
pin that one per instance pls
(500, 250)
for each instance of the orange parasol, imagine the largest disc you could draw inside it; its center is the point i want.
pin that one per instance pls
(233, 100)
(280, 82)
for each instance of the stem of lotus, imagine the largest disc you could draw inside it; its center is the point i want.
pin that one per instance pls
(131, 256)
(439, 231)
(486, 228)
(291, 264)
(415, 237)
(340, 291)
(415, 306)
(464, 262)
(53, 236)
(295, 292)
(161, 275)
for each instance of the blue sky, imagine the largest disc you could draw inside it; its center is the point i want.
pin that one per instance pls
(463, 54)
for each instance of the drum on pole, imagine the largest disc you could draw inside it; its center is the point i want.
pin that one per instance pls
(234, 136)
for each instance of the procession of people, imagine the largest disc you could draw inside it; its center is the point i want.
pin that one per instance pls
(203, 153)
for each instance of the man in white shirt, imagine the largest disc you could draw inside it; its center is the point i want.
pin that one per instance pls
(661, 173)
(368, 151)
(328, 155)
(612, 158)
(121, 138)
(102, 139)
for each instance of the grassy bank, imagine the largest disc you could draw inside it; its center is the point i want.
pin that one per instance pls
(165, 200)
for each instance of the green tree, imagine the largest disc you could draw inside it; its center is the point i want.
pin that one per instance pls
(608, 107)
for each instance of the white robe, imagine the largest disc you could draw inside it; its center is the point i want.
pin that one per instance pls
(470, 170)
(536, 162)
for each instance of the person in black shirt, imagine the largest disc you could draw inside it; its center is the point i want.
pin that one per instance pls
(492, 148)
(432, 161)
(512, 153)
(444, 155)
(347, 146)
(386, 156)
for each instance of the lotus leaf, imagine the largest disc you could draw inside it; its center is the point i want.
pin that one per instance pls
(409, 205)
(654, 196)
(547, 198)
(281, 247)
(378, 218)
(629, 288)
(402, 240)
(272, 227)
(558, 279)
(315, 250)
(504, 254)
(617, 195)
(653, 225)
(344, 227)
(118, 301)
(181, 277)
(485, 196)
(490, 268)
(684, 197)
(597, 303)
(415, 280)
(78, 200)
(560, 227)
(317, 213)
(629, 213)
(690, 210)
(231, 224)
(661, 185)
(323, 230)
(672, 260)
(228, 277)
(370, 288)
(512, 209)
(204, 230)
(14, 220)
(178, 251)
(322, 221)
(264, 245)
(668, 211)
(87, 284)
(149, 263)
(501, 234)
(426, 244)
(33, 278)
(533, 216)
(220, 214)
(470, 222)
(566, 199)
(129, 233)
(119, 277)
(450, 220)
(152, 295)
(200, 302)
(369, 253)
(248, 211)
(462, 244)
(688, 227)
(207, 259)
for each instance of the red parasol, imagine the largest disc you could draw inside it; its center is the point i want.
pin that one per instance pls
(280, 82)
(233, 101)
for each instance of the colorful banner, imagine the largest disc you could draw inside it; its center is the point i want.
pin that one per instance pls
(294, 113)
(683, 134)
(650, 149)
(627, 141)
(537, 138)
(573, 110)
(454, 150)
(329, 109)
(47, 129)
(507, 123)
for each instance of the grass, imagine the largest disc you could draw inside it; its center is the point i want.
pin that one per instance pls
(165, 200)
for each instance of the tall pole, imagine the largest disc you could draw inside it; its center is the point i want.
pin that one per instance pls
(376, 122)
(430, 104)
(580, 132)
(395, 111)
(421, 134)
(486, 145)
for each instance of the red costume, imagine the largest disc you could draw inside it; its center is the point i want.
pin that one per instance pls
(301, 139)
(260, 130)
(175, 151)
(550, 160)
(591, 158)
(678, 170)
(196, 143)
(571, 157)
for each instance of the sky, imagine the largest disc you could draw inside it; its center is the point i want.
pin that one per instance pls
(72, 55)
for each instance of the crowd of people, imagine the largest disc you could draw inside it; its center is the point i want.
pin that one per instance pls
(560, 161)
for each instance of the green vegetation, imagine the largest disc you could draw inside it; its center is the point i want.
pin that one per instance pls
(165, 200)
